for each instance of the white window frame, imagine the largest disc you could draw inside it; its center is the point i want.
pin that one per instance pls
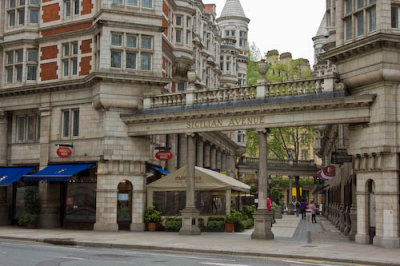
(72, 129)
(26, 119)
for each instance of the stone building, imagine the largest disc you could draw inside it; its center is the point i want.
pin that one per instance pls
(68, 71)
(359, 40)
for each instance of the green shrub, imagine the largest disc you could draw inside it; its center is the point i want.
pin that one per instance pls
(249, 210)
(28, 218)
(249, 223)
(215, 226)
(216, 219)
(173, 224)
(152, 216)
(201, 224)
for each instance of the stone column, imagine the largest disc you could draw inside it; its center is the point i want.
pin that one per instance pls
(231, 164)
(200, 153)
(223, 162)
(262, 217)
(228, 201)
(182, 160)
(207, 155)
(290, 202)
(213, 158)
(172, 165)
(138, 206)
(49, 193)
(353, 210)
(339, 22)
(190, 213)
(3, 138)
(219, 161)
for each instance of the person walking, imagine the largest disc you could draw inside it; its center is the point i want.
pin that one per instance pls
(303, 207)
(313, 212)
(297, 208)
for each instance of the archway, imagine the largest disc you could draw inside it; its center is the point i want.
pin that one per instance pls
(371, 210)
(124, 205)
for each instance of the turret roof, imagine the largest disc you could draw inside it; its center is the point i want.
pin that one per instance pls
(233, 8)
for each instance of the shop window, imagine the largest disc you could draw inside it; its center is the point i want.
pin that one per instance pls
(70, 123)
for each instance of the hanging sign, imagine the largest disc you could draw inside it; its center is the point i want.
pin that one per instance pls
(164, 155)
(341, 156)
(64, 152)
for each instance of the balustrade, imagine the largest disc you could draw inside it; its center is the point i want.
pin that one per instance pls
(262, 90)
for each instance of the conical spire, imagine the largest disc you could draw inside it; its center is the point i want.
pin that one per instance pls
(233, 8)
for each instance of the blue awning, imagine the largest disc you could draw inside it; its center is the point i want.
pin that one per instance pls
(162, 171)
(9, 175)
(58, 172)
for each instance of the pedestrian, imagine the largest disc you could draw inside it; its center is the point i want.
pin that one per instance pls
(303, 207)
(269, 204)
(297, 208)
(313, 211)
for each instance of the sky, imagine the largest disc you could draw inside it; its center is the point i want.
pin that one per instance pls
(286, 25)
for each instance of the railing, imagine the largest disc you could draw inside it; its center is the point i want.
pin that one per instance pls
(299, 164)
(259, 91)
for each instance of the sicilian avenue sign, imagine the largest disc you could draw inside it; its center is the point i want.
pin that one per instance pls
(218, 123)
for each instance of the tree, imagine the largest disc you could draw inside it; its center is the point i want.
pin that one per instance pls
(283, 143)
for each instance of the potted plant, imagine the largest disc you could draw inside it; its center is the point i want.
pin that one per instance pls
(152, 218)
(230, 223)
(32, 209)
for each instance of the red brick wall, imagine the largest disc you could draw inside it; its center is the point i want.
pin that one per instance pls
(86, 7)
(165, 8)
(51, 12)
(45, 1)
(165, 25)
(85, 46)
(49, 52)
(85, 65)
(48, 71)
(61, 30)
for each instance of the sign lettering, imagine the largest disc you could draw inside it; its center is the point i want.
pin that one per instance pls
(215, 123)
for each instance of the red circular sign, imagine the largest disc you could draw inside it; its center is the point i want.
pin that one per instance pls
(64, 152)
(164, 155)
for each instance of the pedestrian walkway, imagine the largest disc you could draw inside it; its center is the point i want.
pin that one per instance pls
(221, 243)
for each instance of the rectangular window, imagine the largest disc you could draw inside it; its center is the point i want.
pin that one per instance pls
(116, 58)
(70, 123)
(145, 62)
(75, 123)
(348, 28)
(372, 1)
(233, 33)
(19, 55)
(34, 2)
(12, 4)
(66, 68)
(360, 23)
(10, 57)
(33, 15)
(227, 33)
(67, 8)
(74, 48)
(20, 128)
(9, 71)
(131, 41)
(116, 39)
(178, 20)
(147, 3)
(31, 73)
(360, 3)
(395, 17)
(349, 6)
(18, 70)
(30, 128)
(131, 60)
(74, 62)
(372, 19)
(32, 55)
(117, 2)
(178, 37)
(65, 123)
(11, 19)
(132, 2)
(21, 2)
(146, 42)
(76, 7)
(66, 49)
(21, 16)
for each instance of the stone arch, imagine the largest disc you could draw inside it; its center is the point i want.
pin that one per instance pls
(124, 204)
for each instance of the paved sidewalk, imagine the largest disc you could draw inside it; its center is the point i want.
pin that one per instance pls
(288, 242)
